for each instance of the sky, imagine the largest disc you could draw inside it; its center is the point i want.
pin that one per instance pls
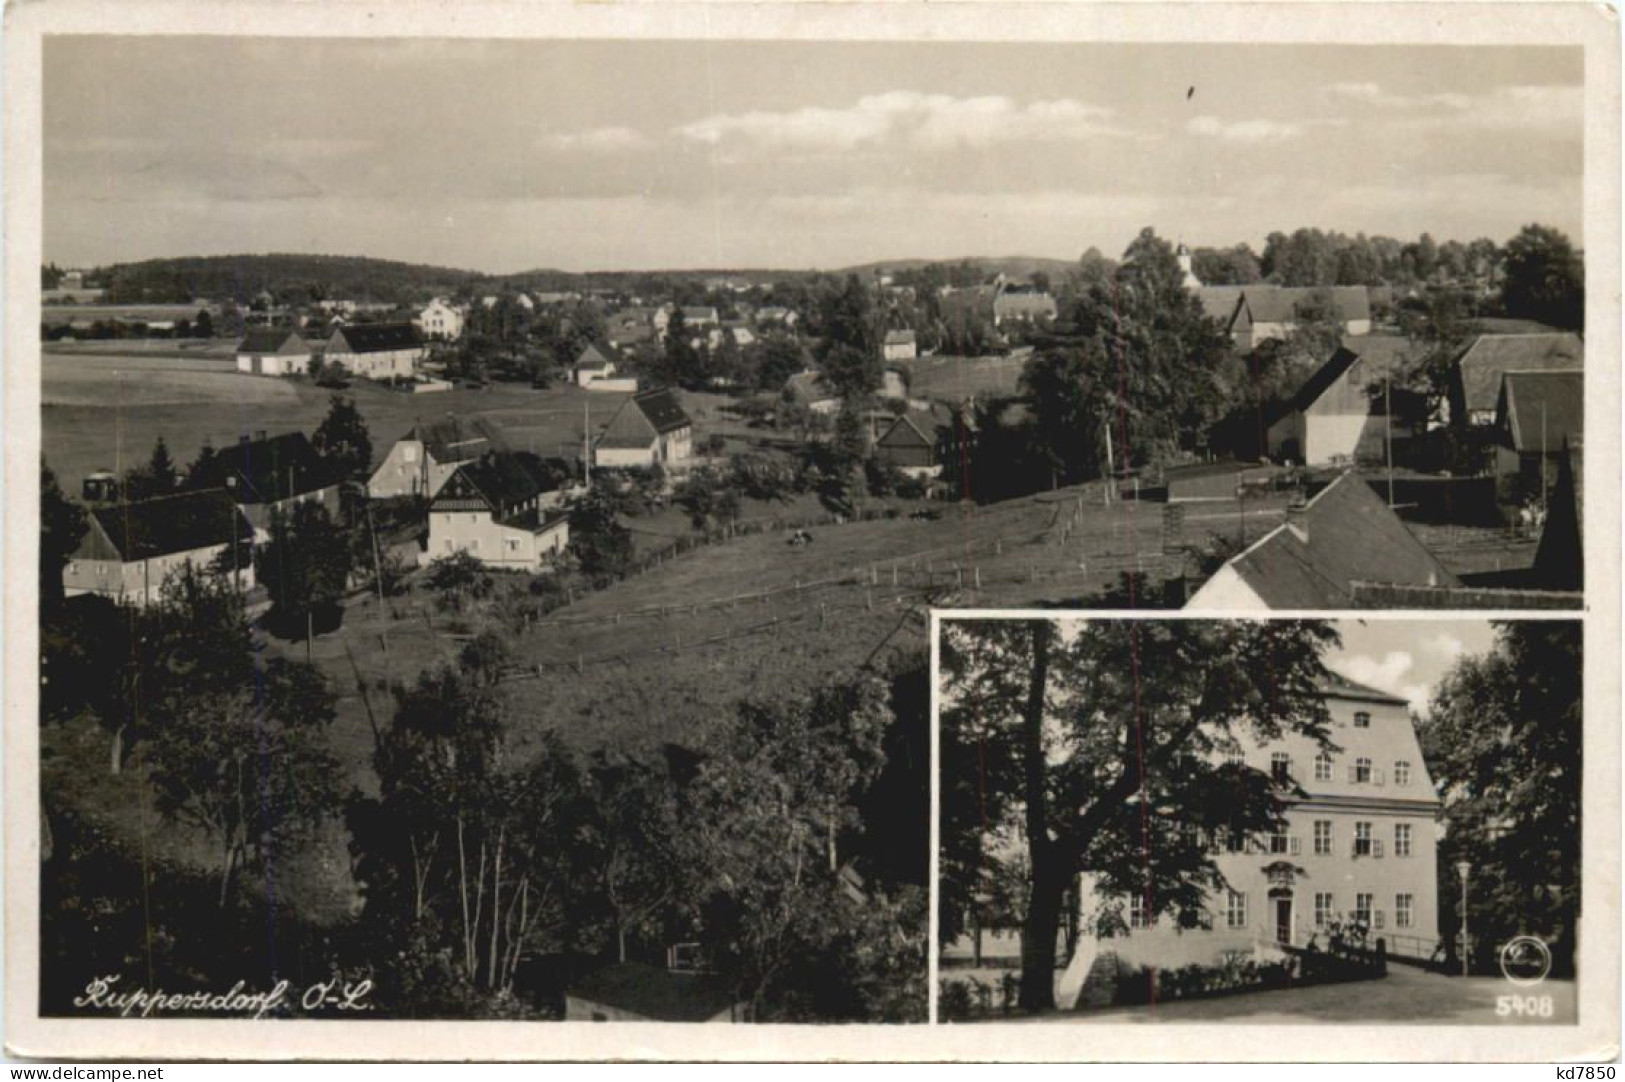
(502, 156)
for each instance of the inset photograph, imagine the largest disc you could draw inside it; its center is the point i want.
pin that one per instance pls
(1260, 821)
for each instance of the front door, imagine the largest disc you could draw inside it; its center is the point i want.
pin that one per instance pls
(1283, 920)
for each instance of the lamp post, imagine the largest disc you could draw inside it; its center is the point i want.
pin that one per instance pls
(1464, 869)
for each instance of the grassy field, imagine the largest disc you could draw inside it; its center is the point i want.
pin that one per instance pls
(103, 410)
(953, 379)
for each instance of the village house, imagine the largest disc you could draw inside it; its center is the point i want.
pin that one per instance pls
(424, 459)
(377, 350)
(1342, 538)
(807, 389)
(1255, 314)
(775, 315)
(1539, 415)
(269, 476)
(503, 509)
(1475, 378)
(1021, 303)
(699, 316)
(131, 549)
(649, 429)
(440, 320)
(899, 346)
(910, 444)
(273, 351)
(594, 370)
(1348, 410)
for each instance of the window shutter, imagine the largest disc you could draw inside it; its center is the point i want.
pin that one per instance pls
(1296, 845)
(1376, 847)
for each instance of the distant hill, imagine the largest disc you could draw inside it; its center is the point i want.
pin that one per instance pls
(287, 277)
(1014, 266)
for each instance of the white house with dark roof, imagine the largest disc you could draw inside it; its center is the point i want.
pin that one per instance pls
(649, 429)
(1348, 410)
(273, 351)
(504, 510)
(377, 350)
(1255, 314)
(130, 550)
(424, 459)
(900, 345)
(440, 320)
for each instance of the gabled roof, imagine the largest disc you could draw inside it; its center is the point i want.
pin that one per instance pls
(1219, 302)
(500, 482)
(656, 994)
(1338, 686)
(1542, 412)
(162, 527)
(270, 340)
(912, 429)
(1279, 304)
(1376, 355)
(1352, 536)
(378, 337)
(593, 359)
(454, 440)
(267, 470)
(641, 419)
(1491, 355)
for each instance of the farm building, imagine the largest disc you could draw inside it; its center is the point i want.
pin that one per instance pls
(695, 317)
(425, 458)
(271, 475)
(1346, 412)
(900, 346)
(1475, 379)
(809, 390)
(910, 444)
(130, 550)
(1265, 313)
(273, 351)
(594, 370)
(637, 992)
(1021, 303)
(503, 510)
(440, 320)
(377, 350)
(649, 428)
(1538, 416)
(1345, 535)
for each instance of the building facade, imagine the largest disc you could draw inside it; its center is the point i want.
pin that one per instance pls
(273, 351)
(377, 350)
(440, 320)
(649, 429)
(504, 510)
(131, 550)
(424, 459)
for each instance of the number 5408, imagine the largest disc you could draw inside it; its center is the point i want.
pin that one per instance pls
(1523, 1006)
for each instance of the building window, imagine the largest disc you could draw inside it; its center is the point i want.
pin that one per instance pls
(1138, 915)
(1323, 837)
(1402, 910)
(1324, 908)
(1402, 839)
(1362, 839)
(1281, 767)
(1362, 771)
(1280, 842)
(1323, 767)
(1235, 910)
(1362, 720)
(1235, 758)
(1402, 772)
(1362, 908)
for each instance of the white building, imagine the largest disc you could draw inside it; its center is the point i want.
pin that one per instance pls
(131, 549)
(440, 320)
(649, 428)
(424, 459)
(504, 510)
(377, 350)
(273, 351)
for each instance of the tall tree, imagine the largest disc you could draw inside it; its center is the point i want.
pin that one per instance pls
(342, 437)
(1503, 738)
(63, 524)
(1106, 752)
(851, 358)
(305, 566)
(1544, 278)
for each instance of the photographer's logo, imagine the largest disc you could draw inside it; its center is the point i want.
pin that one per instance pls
(1525, 961)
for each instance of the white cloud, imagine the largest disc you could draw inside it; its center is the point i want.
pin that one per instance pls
(1252, 132)
(599, 140)
(1446, 644)
(909, 119)
(1387, 675)
(1503, 107)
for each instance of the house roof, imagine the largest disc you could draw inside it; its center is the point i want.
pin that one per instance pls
(1352, 536)
(1339, 686)
(454, 440)
(705, 312)
(643, 417)
(500, 481)
(269, 340)
(1491, 355)
(593, 359)
(379, 337)
(1541, 412)
(900, 338)
(1279, 304)
(170, 524)
(268, 469)
(653, 993)
(1375, 355)
(1219, 302)
(911, 429)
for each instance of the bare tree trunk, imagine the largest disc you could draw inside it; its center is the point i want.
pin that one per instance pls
(496, 911)
(1043, 910)
(462, 885)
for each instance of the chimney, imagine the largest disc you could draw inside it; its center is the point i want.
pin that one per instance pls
(1297, 517)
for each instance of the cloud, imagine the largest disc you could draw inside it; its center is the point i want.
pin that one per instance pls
(1522, 106)
(599, 140)
(909, 119)
(1248, 132)
(1387, 675)
(1446, 644)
